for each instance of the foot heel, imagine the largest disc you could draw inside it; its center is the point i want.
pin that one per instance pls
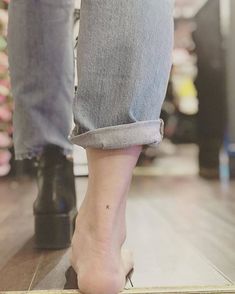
(54, 231)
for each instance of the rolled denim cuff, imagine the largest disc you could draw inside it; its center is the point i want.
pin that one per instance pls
(120, 136)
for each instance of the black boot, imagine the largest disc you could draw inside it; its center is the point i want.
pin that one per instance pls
(55, 207)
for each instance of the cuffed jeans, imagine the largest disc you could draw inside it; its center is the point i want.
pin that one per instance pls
(124, 60)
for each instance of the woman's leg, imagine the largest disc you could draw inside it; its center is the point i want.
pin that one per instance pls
(124, 61)
(40, 49)
(100, 232)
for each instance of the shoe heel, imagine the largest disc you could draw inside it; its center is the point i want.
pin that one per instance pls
(54, 231)
(129, 276)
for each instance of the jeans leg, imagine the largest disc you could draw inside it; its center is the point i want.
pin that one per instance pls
(124, 61)
(40, 47)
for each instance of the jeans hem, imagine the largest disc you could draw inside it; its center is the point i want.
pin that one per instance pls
(120, 136)
(37, 152)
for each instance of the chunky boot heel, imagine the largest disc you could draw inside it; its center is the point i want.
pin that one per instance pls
(55, 207)
(54, 231)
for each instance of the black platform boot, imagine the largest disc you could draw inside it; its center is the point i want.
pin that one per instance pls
(55, 207)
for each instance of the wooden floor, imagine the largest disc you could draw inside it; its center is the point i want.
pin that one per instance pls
(180, 227)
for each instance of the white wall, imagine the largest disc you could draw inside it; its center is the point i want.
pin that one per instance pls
(77, 3)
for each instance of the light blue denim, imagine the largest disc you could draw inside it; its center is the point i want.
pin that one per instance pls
(124, 60)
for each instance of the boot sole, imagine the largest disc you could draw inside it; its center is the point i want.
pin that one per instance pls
(54, 231)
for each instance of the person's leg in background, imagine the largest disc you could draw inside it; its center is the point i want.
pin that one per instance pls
(124, 61)
(40, 48)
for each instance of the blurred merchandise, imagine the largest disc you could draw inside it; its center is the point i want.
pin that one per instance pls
(6, 104)
(181, 105)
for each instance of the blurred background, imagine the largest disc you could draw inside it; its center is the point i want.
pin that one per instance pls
(198, 110)
(185, 186)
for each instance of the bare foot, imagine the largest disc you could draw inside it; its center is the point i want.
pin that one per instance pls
(98, 256)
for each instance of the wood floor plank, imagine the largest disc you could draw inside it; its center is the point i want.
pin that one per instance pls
(16, 218)
(230, 289)
(204, 217)
(162, 258)
(51, 273)
(19, 271)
